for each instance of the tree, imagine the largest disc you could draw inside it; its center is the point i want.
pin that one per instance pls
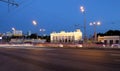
(110, 33)
(33, 36)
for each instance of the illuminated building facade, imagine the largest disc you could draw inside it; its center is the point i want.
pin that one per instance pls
(109, 39)
(17, 33)
(66, 37)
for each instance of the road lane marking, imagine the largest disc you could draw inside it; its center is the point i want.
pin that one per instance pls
(117, 60)
(30, 48)
(115, 55)
(39, 48)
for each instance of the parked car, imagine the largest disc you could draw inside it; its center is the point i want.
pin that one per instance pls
(115, 45)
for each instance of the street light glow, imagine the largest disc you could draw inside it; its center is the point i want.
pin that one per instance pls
(34, 22)
(98, 23)
(82, 9)
(91, 24)
(95, 23)
(13, 29)
(42, 30)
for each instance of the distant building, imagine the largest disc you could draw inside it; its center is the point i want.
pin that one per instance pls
(17, 33)
(109, 39)
(66, 37)
(29, 33)
(8, 34)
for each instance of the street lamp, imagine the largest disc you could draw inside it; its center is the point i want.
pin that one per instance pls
(35, 23)
(42, 30)
(95, 24)
(13, 29)
(82, 9)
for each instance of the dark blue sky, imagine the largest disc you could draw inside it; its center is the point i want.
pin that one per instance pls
(58, 15)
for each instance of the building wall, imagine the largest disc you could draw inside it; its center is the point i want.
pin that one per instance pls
(17, 33)
(109, 39)
(66, 37)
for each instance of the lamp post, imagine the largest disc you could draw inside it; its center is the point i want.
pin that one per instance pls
(95, 24)
(42, 30)
(35, 24)
(82, 9)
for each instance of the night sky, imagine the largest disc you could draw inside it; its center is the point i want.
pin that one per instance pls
(58, 15)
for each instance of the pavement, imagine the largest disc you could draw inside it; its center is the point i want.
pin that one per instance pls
(59, 59)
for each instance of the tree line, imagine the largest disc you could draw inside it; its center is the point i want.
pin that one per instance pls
(110, 33)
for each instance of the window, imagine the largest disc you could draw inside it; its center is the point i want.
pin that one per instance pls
(117, 41)
(111, 41)
(105, 41)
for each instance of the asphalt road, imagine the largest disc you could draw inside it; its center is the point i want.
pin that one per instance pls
(59, 59)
